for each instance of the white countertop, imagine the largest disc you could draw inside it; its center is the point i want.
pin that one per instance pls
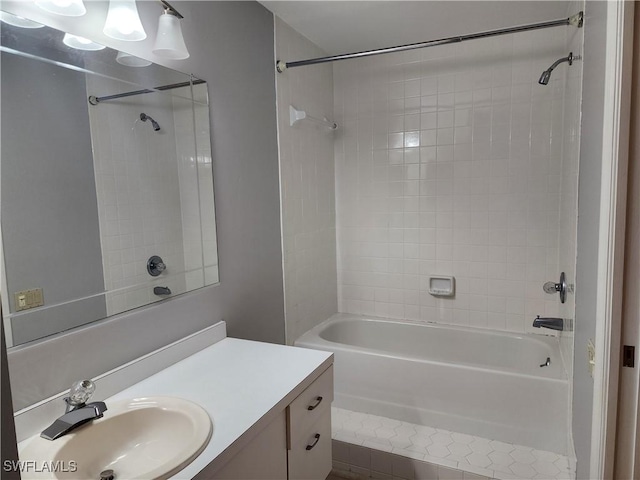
(239, 383)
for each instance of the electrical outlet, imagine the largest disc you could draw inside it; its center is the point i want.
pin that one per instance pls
(591, 356)
(27, 299)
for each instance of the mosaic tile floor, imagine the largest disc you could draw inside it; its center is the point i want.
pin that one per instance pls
(468, 453)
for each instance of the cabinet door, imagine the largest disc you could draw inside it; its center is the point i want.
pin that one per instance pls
(310, 405)
(264, 458)
(310, 453)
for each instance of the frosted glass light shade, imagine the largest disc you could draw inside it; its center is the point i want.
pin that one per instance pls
(70, 8)
(169, 42)
(123, 21)
(131, 60)
(80, 43)
(18, 21)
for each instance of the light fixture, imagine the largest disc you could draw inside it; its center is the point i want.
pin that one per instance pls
(80, 43)
(131, 60)
(169, 42)
(123, 21)
(18, 21)
(70, 8)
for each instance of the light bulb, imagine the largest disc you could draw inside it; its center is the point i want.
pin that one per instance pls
(123, 21)
(131, 60)
(70, 8)
(18, 21)
(169, 42)
(80, 43)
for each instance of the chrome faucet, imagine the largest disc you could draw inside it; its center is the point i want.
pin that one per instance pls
(551, 323)
(77, 412)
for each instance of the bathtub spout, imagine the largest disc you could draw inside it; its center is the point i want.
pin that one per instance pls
(551, 323)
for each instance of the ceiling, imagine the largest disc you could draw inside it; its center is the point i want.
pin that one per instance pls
(351, 26)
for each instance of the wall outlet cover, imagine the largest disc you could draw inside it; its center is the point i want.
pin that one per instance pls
(27, 299)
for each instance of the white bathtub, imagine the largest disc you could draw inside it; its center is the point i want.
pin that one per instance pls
(480, 382)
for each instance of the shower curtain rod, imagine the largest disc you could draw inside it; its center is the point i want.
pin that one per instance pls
(575, 20)
(93, 100)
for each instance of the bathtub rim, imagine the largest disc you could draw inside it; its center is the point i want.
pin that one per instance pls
(312, 339)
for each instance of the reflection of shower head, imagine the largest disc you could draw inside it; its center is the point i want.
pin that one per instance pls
(546, 75)
(144, 117)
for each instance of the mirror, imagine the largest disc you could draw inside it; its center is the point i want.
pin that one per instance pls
(106, 193)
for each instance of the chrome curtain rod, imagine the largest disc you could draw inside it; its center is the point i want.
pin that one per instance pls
(93, 100)
(575, 20)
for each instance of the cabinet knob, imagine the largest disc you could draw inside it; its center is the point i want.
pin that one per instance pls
(318, 401)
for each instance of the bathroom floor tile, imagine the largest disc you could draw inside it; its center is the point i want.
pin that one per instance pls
(467, 453)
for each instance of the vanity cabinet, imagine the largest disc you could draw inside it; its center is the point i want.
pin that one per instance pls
(295, 445)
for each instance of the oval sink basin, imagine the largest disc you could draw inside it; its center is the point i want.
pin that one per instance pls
(143, 438)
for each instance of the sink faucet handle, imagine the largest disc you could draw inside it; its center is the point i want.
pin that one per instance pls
(80, 392)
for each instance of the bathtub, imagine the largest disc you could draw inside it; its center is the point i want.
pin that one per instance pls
(474, 381)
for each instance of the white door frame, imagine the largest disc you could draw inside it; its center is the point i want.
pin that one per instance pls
(613, 193)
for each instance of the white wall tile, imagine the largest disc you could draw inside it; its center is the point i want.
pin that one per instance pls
(468, 181)
(307, 182)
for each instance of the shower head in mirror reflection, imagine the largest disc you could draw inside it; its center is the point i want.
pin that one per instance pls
(144, 117)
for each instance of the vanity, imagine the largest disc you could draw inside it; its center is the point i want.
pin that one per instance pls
(269, 405)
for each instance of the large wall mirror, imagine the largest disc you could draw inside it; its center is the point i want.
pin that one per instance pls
(106, 192)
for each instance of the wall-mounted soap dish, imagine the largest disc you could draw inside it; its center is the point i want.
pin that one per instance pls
(442, 286)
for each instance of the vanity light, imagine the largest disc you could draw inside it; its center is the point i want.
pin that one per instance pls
(131, 60)
(169, 42)
(18, 21)
(123, 21)
(70, 8)
(80, 43)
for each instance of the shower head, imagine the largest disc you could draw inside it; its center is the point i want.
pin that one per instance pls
(544, 78)
(546, 75)
(144, 117)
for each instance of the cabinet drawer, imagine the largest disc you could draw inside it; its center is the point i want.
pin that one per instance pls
(311, 404)
(310, 455)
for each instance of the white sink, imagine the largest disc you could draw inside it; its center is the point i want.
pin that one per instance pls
(143, 438)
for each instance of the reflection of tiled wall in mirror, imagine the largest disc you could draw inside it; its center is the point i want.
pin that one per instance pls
(138, 190)
(205, 179)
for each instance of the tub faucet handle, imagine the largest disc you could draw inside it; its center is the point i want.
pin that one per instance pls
(561, 287)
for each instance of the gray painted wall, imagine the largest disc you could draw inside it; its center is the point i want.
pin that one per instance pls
(49, 208)
(231, 46)
(588, 218)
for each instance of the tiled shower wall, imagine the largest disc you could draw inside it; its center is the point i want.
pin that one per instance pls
(450, 162)
(307, 186)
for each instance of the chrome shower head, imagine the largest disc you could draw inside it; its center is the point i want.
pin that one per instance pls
(544, 78)
(546, 75)
(144, 117)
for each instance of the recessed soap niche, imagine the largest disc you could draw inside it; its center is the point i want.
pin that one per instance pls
(441, 286)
